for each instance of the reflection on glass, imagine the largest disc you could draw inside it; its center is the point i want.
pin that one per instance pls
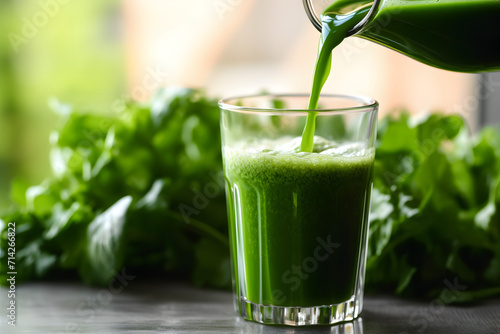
(244, 327)
(353, 327)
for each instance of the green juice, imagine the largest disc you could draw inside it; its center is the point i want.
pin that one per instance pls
(297, 223)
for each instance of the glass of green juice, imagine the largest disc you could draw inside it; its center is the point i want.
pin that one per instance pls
(298, 221)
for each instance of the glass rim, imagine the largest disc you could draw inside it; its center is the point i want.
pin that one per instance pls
(369, 104)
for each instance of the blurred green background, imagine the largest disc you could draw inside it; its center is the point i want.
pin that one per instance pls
(69, 50)
(90, 54)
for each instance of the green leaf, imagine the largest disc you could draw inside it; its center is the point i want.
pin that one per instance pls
(485, 215)
(405, 278)
(380, 222)
(104, 243)
(153, 199)
(40, 199)
(398, 137)
(60, 219)
(168, 100)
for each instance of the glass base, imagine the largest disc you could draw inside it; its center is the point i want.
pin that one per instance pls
(301, 316)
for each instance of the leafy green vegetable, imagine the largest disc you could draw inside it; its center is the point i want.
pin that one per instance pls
(435, 208)
(144, 190)
(114, 199)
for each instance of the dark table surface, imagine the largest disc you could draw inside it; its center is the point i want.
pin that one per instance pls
(152, 306)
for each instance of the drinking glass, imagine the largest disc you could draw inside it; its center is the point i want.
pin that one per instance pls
(298, 221)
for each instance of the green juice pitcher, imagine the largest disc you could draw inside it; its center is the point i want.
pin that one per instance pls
(455, 35)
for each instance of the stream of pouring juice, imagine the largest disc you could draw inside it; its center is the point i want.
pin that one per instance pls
(335, 28)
